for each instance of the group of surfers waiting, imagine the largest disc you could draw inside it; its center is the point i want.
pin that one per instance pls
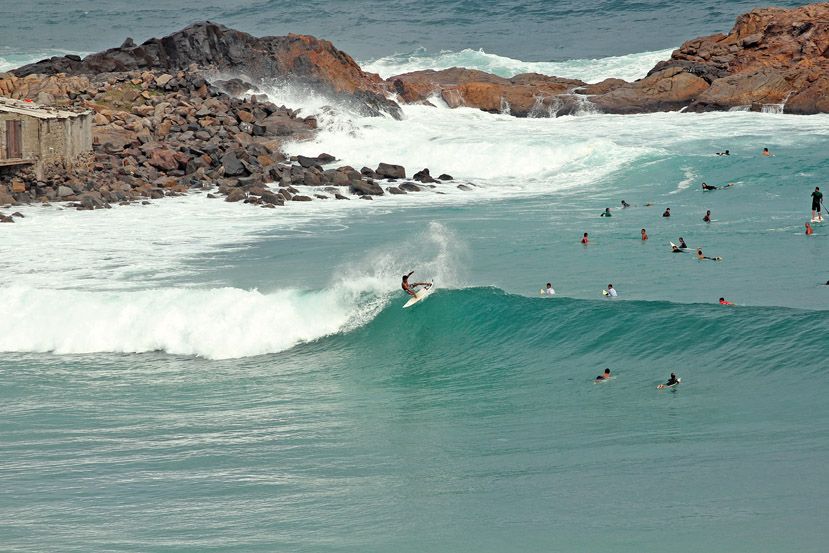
(673, 380)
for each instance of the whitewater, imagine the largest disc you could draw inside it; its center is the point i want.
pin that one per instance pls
(201, 375)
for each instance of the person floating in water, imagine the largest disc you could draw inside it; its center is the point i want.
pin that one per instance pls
(724, 301)
(682, 244)
(667, 212)
(672, 381)
(707, 217)
(606, 213)
(584, 239)
(603, 376)
(701, 256)
(625, 204)
(548, 291)
(725, 153)
(707, 187)
(610, 292)
(767, 153)
(809, 230)
(817, 199)
(408, 287)
(675, 249)
(644, 235)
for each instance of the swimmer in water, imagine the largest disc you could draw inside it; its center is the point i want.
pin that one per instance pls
(548, 291)
(809, 230)
(682, 244)
(667, 212)
(707, 217)
(708, 187)
(724, 301)
(584, 239)
(725, 153)
(606, 213)
(603, 376)
(767, 153)
(701, 256)
(625, 204)
(644, 235)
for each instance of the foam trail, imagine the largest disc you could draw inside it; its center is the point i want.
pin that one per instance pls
(629, 67)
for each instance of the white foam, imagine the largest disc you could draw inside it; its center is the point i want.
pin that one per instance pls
(629, 67)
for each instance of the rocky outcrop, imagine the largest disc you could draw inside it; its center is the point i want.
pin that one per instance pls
(216, 49)
(525, 95)
(772, 56)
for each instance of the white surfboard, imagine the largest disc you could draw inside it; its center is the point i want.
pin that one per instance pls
(817, 220)
(683, 250)
(665, 386)
(419, 296)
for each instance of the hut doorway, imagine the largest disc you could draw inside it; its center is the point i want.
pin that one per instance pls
(14, 139)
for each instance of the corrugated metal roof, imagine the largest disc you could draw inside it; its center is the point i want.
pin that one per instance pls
(9, 105)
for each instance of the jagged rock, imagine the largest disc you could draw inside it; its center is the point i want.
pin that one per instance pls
(232, 166)
(210, 46)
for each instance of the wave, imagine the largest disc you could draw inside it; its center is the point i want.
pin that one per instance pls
(629, 67)
(217, 323)
(365, 314)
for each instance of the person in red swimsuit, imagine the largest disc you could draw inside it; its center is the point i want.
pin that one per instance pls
(724, 301)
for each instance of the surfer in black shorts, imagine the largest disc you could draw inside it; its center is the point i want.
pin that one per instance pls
(407, 286)
(708, 186)
(817, 197)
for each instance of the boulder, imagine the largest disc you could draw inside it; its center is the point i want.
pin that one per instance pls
(235, 195)
(233, 166)
(389, 171)
(362, 187)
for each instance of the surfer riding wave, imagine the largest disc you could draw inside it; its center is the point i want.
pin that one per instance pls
(408, 287)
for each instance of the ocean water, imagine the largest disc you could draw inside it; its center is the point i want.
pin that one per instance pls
(194, 375)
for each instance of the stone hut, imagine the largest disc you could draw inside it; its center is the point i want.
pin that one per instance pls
(40, 141)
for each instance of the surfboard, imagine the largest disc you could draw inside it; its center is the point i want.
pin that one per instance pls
(683, 250)
(816, 220)
(665, 386)
(420, 295)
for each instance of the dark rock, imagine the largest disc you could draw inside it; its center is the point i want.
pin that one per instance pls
(300, 198)
(389, 171)
(366, 188)
(444, 176)
(423, 176)
(410, 187)
(394, 190)
(233, 167)
(235, 195)
(341, 197)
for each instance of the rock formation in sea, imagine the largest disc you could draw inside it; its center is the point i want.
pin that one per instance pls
(773, 58)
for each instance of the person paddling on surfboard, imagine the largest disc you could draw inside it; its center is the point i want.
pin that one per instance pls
(700, 256)
(407, 286)
(672, 381)
(724, 301)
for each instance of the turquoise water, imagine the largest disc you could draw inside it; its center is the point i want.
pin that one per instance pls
(195, 375)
